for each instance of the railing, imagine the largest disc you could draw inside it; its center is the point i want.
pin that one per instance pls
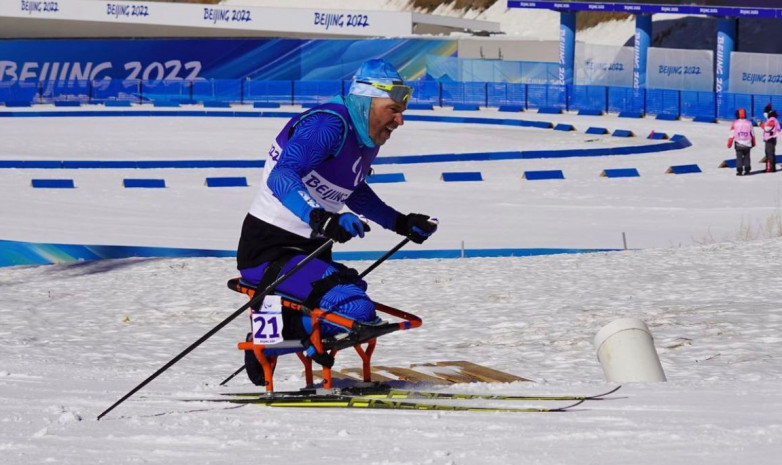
(487, 94)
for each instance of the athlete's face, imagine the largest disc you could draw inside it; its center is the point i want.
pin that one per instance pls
(385, 115)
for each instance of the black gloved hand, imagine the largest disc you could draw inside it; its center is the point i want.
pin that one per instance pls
(415, 226)
(340, 227)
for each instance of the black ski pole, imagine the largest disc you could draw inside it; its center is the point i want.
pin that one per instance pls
(256, 298)
(233, 375)
(364, 273)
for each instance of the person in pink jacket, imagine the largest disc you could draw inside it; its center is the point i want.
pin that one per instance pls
(770, 132)
(742, 136)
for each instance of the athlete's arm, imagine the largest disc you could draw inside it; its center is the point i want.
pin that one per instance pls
(365, 202)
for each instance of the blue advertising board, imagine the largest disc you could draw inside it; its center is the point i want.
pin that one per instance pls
(101, 60)
(750, 8)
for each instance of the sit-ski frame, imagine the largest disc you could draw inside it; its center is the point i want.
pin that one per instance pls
(358, 333)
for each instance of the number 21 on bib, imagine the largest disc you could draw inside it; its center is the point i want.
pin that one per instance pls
(267, 321)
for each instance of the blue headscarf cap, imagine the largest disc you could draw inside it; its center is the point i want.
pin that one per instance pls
(378, 70)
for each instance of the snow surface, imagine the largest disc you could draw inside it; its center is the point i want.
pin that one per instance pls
(76, 337)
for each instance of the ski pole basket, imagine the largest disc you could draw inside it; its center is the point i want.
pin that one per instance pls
(359, 335)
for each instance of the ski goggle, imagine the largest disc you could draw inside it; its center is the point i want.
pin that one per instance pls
(399, 93)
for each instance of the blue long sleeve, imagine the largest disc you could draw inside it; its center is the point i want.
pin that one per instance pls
(365, 202)
(315, 138)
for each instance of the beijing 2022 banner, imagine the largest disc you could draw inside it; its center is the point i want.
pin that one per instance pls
(33, 61)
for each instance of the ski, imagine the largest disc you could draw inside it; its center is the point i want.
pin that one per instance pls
(413, 394)
(349, 401)
(384, 392)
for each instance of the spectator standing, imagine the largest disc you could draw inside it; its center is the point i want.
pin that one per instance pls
(743, 137)
(770, 132)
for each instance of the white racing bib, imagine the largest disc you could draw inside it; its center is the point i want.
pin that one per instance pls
(267, 321)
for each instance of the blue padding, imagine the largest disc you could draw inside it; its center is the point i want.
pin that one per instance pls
(631, 114)
(667, 117)
(588, 112)
(511, 108)
(13, 253)
(144, 183)
(564, 127)
(53, 183)
(165, 104)
(18, 103)
(620, 173)
(549, 111)
(477, 120)
(239, 181)
(729, 163)
(684, 169)
(385, 177)
(67, 103)
(704, 119)
(596, 130)
(546, 174)
(657, 136)
(465, 107)
(116, 103)
(216, 104)
(266, 105)
(622, 133)
(420, 106)
(465, 176)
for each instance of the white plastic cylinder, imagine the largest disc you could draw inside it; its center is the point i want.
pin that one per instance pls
(625, 350)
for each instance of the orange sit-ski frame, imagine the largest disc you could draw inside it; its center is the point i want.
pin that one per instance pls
(358, 334)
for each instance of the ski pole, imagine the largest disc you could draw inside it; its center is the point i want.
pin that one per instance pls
(363, 273)
(256, 298)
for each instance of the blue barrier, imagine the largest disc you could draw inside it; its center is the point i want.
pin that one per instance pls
(620, 173)
(420, 106)
(729, 163)
(239, 181)
(704, 119)
(465, 107)
(165, 104)
(622, 133)
(590, 112)
(144, 183)
(511, 108)
(564, 127)
(18, 103)
(596, 130)
(266, 105)
(464, 176)
(67, 103)
(548, 98)
(657, 136)
(385, 177)
(631, 114)
(117, 103)
(540, 175)
(683, 169)
(550, 111)
(667, 117)
(216, 104)
(52, 183)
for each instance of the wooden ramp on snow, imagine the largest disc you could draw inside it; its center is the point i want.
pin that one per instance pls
(448, 372)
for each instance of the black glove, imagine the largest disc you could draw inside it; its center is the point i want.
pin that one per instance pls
(415, 226)
(340, 227)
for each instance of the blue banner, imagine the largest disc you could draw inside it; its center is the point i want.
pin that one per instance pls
(752, 8)
(37, 61)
